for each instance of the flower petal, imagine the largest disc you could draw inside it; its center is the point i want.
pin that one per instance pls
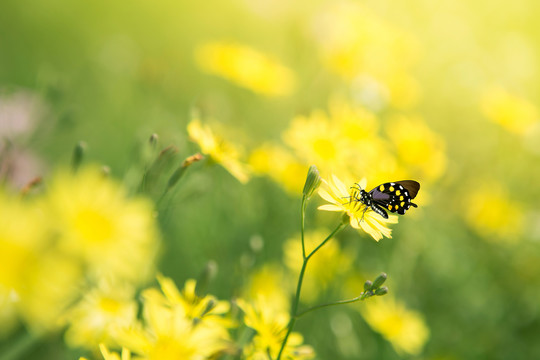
(326, 196)
(329, 207)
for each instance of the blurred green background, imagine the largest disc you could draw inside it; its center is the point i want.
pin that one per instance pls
(112, 73)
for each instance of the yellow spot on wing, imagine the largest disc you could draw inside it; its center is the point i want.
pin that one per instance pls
(389, 207)
(402, 203)
(381, 188)
(401, 197)
(391, 188)
(398, 192)
(397, 207)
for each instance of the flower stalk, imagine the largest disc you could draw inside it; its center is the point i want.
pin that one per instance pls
(294, 310)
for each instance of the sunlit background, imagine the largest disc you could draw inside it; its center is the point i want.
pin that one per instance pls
(94, 207)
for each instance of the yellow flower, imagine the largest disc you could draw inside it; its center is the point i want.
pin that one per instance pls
(358, 45)
(177, 325)
(418, 146)
(97, 223)
(345, 142)
(270, 285)
(324, 266)
(219, 150)
(36, 280)
(246, 67)
(405, 329)
(51, 284)
(280, 165)
(22, 235)
(109, 355)
(93, 319)
(493, 214)
(266, 306)
(193, 306)
(513, 113)
(316, 140)
(271, 326)
(360, 216)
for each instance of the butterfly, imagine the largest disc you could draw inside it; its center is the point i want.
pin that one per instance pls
(392, 196)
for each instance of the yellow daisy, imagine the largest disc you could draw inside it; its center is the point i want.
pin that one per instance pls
(405, 329)
(246, 67)
(362, 217)
(220, 151)
(109, 355)
(92, 320)
(271, 326)
(513, 113)
(97, 224)
(178, 325)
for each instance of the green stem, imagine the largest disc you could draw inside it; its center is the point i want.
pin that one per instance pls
(302, 218)
(340, 227)
(294, 308)
(340, 302)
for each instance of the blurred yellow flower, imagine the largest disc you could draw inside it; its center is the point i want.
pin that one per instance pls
(493, 213)
(270, 286)
(405, 329)
(35, 279)
(109, 355)
(368, 153)
(266, 305)
(194, 307)
(177, 325)
(97, 223)
(280, 165)
(22, 235)
(324, 266)
(271, 326)
(220, 151)
(420, 148)
(92, 321)
(513, 113)
(357, 44)
(360, 216)
(52, 283)
(316, 140)
(246, 67)
(345, 142)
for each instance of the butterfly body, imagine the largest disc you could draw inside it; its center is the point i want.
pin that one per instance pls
(392, 196)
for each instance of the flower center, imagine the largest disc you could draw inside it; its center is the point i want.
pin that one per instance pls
(93, 225)
(324, 148)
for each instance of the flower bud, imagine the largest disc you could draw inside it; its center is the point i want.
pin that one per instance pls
(209, 307)
(368, 285)
(78, 154)
(105, 171)
(153, 140)
(179, 172)
(207, 275)
(381, 291)
(313, 181)
(157, 169)
(379, 281)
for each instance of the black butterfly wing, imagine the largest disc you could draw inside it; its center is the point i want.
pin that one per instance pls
(411, 186)
(396, 196)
